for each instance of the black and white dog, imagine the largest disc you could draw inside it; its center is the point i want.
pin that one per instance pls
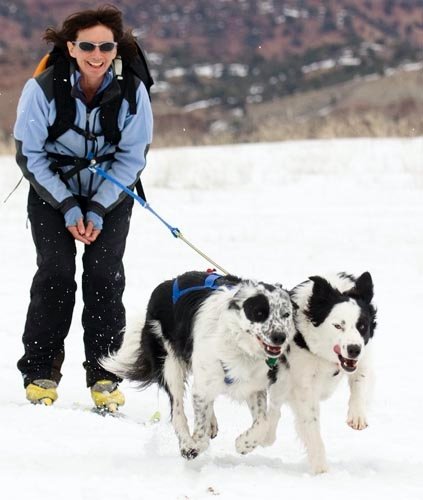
(229, 332)
(335, 322)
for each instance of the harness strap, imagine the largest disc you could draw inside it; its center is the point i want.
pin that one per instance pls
(91, 136)
(228, 379)
(62, 95)
(209, 282)
(79, 163)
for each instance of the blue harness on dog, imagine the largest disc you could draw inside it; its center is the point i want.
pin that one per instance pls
(209, 282)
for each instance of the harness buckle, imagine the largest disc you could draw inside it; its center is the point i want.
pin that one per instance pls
(92, 166)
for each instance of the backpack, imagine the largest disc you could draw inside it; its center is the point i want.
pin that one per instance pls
(126, 72)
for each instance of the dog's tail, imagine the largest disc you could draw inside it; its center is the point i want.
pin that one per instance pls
(140, 357)
(121, 362)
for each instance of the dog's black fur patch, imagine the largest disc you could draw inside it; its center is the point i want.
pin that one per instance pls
(272, 374)
(322, 300)
(257, 308)
(300, 341)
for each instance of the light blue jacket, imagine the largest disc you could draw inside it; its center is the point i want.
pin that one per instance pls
(37, 111)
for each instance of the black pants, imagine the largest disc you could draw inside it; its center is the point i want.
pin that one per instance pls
(53, 292)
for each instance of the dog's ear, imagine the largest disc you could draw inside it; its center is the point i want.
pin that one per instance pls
(322, 299)
(295, 306)
(323, 290)
(363, 288)
(236, 301)
(233, 304)
(291, 294)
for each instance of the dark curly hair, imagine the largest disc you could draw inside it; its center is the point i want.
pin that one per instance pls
(107, 15)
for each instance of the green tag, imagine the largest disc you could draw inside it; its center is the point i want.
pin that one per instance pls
(271, 362)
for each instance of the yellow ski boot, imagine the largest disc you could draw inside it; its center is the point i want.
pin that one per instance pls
(42, 391)
(106, 396)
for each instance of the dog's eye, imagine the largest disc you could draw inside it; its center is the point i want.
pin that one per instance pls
(337, 326)
(259, 315)
(286, 315)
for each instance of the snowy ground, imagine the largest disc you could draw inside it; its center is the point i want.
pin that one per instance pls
(278, 212)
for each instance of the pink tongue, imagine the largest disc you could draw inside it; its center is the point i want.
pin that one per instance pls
(337, 349)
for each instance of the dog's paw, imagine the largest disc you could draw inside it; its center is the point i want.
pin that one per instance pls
(189, 453)
(357, 422)
(188, 448)
(244, 444)
(318, 461)
(201, 442)
(214, 428)
(320, 468)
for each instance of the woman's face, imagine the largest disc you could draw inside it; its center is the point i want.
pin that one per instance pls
(93, 65)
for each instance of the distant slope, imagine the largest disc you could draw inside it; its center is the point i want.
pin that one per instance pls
(223, 57)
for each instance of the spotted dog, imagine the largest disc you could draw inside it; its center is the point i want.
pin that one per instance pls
(335, 323)
(230, 333)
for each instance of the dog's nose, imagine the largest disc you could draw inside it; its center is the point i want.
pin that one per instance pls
(354, 350)
(278, 338)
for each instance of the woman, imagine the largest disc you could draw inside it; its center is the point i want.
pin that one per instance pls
(68, 202)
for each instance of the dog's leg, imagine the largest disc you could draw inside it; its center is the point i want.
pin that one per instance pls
(277, 396)
(174, 377)
(255, 435)
(360, 384)
(307, 412)
(214, 428)
(203, 416)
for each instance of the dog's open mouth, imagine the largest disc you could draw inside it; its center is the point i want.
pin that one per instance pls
(271, 350)
(349, 365)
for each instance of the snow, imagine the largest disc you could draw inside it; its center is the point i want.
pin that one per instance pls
(277, 212)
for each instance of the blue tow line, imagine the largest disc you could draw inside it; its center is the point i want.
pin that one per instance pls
(174, 230)
(97, 170)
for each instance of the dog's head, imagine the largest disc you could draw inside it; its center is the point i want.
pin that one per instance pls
(343, 318)
(264, 316)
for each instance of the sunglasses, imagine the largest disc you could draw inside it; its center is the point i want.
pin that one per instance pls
(90, 46)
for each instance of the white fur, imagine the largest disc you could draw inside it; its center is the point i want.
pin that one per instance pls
(315, 374)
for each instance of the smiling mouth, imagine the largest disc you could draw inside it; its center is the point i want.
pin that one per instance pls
(95, 65)
(273, 351)
(349, 365)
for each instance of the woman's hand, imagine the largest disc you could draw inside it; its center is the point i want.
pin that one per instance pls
(85, 232)
(79, 232)
(90, 233)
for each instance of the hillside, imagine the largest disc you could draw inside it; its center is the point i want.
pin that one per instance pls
(227, 56)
